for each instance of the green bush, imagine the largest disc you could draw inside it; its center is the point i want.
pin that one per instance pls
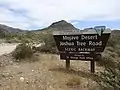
(110, 49)
(22, 51)
(118, 52)
(106, 61)
(113, 42)
(48, 49)
(12, 41)
(110, 79)
(49, 44)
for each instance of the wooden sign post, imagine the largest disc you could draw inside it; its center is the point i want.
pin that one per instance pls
(81, 45)
(79, 56)
(92, 66)
(67, 64)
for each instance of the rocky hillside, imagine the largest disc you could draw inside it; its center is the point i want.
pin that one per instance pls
(62, 25)
(4, 30)
(10, 29)
(58, 26)
(115, 33)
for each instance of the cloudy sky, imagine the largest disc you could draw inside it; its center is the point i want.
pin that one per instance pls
(34, 14)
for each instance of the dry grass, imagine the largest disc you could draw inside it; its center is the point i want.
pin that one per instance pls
(48, 73)
(73, 81)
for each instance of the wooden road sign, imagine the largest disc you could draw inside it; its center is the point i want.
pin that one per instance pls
(81, 42)
(81, 45)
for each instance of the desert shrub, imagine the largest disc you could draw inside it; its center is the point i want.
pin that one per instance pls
(24, 40)
(14, 40)
(49, 44)
(48, 49)
(106, 61)
(110, 78)
(113, 55)
(110, 49)
(22, 51)
(74, 81)
(118, 52)
(111, 42)
(98, 57)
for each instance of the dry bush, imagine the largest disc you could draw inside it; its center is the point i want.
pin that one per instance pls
(110, 79)
(22, 51)
(49, 46)
(118, 52)
(110, 49)
(106, 61)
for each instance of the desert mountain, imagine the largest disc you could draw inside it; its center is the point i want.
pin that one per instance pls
(59, 26)
(56, 26)
(62, 25)
(10, 29)
(4, 30)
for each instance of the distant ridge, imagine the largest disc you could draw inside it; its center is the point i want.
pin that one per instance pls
(56, 26)
(10, 29)
(59, 26)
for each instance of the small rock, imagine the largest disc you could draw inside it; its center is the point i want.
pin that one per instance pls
(22, 79)
(11, 76)
(27, 82)
(3, 75)
(11, 62)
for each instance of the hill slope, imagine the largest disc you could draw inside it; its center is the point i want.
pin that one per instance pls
(115, 33)
(4, 30)
(62, 25)
(58, 26)
(10, 29)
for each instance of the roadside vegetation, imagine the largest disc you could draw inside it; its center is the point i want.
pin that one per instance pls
(34, 39)
(22, 51)
(110, 77)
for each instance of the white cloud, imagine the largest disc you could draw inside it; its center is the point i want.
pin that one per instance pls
(43, 12)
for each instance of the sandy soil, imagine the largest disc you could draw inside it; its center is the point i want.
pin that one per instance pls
(47, 73)
(6, 48)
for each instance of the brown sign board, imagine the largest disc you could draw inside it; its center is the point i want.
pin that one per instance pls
(83, 45)
(81, 42)
(78, 56)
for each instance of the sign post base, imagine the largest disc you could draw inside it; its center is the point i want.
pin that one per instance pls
(67, 64)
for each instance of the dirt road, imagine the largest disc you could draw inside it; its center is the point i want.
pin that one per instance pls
(6, 48)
